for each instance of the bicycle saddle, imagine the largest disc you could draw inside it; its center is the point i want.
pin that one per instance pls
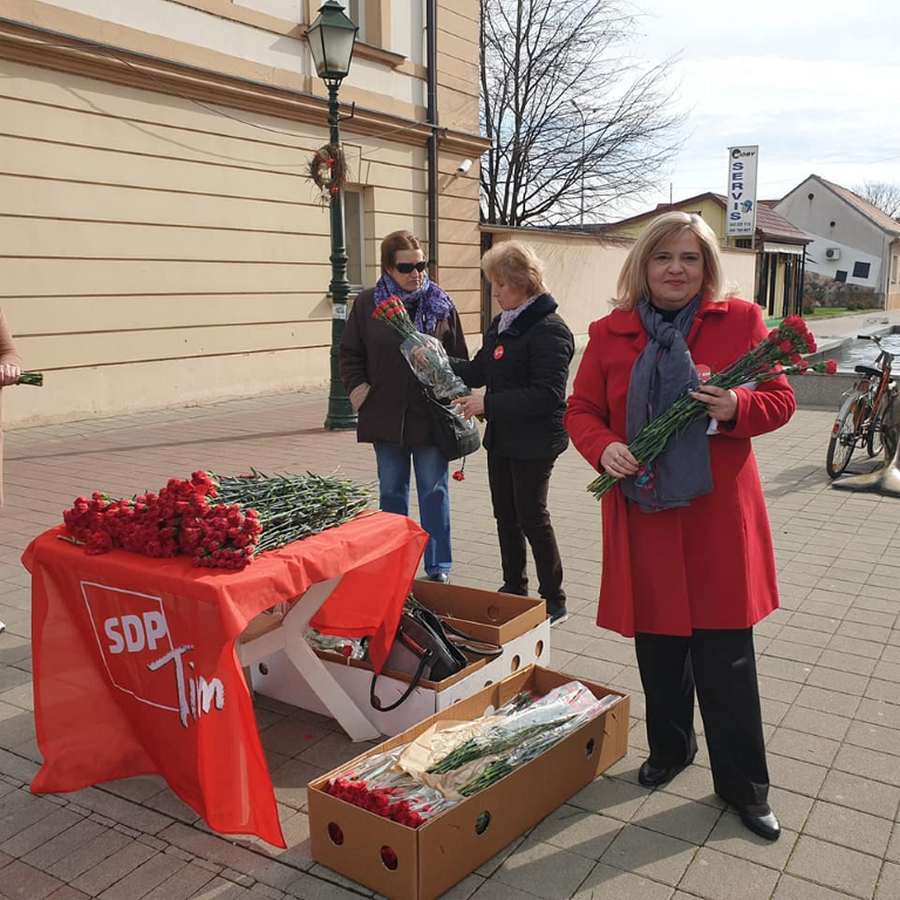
(867, 370)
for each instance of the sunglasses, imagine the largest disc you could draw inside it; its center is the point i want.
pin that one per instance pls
(406, 268)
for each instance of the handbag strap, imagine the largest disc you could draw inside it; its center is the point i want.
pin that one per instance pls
(420, 671)
(483, 649)
(471, 645)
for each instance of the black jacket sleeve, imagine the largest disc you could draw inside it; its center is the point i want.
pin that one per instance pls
(471, 371)
(453, 339)
(550, 351)
(352, 355)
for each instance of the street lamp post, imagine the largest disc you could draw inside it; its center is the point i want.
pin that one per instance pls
(332, 37)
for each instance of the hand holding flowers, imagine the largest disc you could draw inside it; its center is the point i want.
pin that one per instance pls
(471, 406)
(424, 353)
(779, 353)
(721, 404)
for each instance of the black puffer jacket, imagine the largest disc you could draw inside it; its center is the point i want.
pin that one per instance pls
(395, 410)
(525, 370)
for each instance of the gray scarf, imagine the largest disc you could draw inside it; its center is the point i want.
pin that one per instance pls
(661, 374)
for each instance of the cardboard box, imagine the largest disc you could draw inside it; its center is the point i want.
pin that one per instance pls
(519, 624)
(278, 679)
(486, 615)
(420, 864)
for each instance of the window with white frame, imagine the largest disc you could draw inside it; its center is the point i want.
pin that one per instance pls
(356, 9)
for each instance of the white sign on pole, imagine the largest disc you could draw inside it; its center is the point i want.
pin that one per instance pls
(740, 212)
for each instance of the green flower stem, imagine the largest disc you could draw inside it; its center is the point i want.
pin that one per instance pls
(653, 438)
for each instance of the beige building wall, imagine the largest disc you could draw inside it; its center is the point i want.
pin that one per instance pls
(893, 296)
(582, 271)
(160, 241)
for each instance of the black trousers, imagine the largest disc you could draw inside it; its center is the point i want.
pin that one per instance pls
(519, 497)
(720, 665)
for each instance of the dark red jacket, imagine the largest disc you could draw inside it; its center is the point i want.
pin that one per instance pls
(396, 410)
(709, 564)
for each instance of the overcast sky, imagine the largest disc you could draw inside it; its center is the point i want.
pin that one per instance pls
(816, 83)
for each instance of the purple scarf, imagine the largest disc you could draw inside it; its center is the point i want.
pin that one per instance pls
(427, 306)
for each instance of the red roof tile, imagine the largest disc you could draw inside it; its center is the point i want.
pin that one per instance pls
(869, 210)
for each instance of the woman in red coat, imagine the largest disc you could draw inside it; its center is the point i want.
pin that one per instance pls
(688, 566)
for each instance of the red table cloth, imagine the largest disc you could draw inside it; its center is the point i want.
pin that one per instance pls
(135, 669)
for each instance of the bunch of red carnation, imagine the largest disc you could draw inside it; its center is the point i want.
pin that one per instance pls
(219, 521)
(180, 519)
(392, 311)
(383, 801)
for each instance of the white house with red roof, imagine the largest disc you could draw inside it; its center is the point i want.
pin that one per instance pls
(853, 241)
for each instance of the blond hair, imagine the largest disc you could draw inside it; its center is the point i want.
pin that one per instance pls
(517, 264)
(633, 277)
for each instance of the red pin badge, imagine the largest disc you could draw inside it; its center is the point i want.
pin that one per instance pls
(498, 351)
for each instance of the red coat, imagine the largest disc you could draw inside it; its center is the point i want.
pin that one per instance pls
(709, 564)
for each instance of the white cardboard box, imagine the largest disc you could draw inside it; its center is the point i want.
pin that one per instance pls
(275, 677)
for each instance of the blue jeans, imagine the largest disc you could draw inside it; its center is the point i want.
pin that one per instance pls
(434, 495)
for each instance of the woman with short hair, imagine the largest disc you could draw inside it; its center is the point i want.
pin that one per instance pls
(524, 366)
(388, 398)
(688, 565)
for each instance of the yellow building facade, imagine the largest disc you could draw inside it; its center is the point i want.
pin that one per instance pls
(779, 248)
(161, 241)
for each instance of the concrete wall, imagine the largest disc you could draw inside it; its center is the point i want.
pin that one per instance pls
(582, 271)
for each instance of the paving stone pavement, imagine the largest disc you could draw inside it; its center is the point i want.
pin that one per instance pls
(829, 663)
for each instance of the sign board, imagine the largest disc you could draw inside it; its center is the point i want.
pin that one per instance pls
(740, 211)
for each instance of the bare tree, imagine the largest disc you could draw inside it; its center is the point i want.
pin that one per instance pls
(881, 194)
(576, 127)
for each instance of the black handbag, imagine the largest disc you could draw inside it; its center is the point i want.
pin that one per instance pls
(454, 436)
(428, 649)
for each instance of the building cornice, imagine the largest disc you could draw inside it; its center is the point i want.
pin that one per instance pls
(46, 49)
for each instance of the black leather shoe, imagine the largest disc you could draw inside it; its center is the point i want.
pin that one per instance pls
(518, 592)
(439, 577)
(765, 825)
(652, 776)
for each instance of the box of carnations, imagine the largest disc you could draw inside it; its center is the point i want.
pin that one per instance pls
(416, 814)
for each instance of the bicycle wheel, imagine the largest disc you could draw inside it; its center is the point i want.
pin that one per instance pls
(843, 440)
(874, 440)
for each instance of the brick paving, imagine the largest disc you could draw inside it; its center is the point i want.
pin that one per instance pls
(829, 663)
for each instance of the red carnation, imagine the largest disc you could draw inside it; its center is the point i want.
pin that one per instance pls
(459, 475)
(830, 367)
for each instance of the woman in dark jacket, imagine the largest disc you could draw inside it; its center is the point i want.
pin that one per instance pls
(524, 364)
(392, 409)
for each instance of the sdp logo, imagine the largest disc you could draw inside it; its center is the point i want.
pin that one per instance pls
(132, 633)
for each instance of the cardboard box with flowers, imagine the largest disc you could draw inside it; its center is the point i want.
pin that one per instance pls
(484, 771)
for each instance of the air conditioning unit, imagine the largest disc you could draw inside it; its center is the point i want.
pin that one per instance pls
(833, 253)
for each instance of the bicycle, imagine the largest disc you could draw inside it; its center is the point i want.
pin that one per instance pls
(861, 415)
